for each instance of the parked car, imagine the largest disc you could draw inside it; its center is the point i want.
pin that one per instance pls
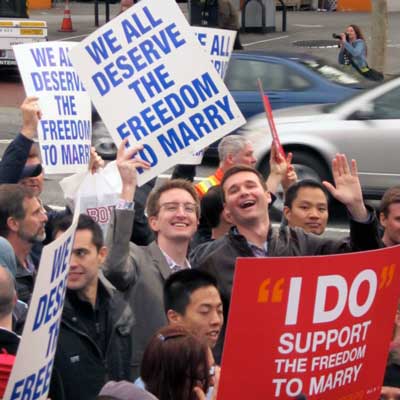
(289, 80)
(364, 127)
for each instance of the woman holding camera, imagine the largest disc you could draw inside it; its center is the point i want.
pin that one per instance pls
(353, 49)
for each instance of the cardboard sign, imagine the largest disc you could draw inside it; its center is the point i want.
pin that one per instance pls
(31, 373)
(65, 130)
(152, 83)
(317, 326)
(270, 119)
(218, 44)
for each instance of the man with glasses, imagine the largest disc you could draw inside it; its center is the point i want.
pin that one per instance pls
(140, 272)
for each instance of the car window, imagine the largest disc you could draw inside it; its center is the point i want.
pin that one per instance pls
(334, 73)
(387, 105)
(242, 75)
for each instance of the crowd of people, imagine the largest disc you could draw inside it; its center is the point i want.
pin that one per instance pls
(149, 316)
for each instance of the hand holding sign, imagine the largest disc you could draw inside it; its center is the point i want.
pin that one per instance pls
(279, 167)
(128, 163)
(31, 114)
(95, 162)
(348, 188)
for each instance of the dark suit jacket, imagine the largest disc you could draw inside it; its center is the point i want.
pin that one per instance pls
(139, 272)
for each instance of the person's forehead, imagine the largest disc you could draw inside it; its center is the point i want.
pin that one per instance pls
(241, 177)
(83, 238)
(205, 295)
(394, 210)
(31, 204)
(176, 194)
(311, 194)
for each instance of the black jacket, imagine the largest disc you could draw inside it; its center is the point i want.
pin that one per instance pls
(282, 242)
(79, 360)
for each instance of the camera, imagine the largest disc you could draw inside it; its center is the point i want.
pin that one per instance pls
(337, 36)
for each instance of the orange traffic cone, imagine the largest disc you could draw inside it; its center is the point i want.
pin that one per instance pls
(66, 24)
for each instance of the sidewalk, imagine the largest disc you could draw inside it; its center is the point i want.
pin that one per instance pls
(301, 25)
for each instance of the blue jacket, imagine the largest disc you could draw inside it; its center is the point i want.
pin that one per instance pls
(357, 50)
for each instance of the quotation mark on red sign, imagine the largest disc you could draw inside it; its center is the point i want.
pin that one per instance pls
(387, 275)
(267, 290)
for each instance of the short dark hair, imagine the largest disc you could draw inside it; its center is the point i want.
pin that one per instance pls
(241, 168)
(174, 362)
(153, 201)
(85, 222)
(211, 206)
(179, 287)
(391, 196)
(12, 198)
(7, 292)
(294, 188)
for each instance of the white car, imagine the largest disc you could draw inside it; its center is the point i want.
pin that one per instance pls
(365, 127)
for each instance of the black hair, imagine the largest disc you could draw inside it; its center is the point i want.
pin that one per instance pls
(293, 190)
(179, 287)
(85, 222)
(211, 206)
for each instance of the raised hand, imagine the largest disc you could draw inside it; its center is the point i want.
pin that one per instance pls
(31, 114)
(347, 187)
(95, 162)
(128, 162)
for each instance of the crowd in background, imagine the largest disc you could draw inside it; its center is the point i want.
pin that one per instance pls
(152, 312)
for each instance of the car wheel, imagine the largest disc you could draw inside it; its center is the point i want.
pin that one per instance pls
(307, 165)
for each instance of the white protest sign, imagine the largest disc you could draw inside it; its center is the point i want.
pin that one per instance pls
(31, 373)
(218, 44)
(65, 128)
(151, 83)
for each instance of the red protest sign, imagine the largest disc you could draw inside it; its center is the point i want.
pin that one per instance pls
(317, 326)
(270, 119)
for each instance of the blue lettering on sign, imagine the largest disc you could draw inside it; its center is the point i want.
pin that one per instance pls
(61, 256)
(159, 79)
(49, 304)
(149, 155)
(75, 154)
(33, 386)
(66, 129)
(43, 56)
(202, 38)
(136, 59)
(54, 331)
(219, 47)
(57, 81)
(139, 26)
(64, 58)
(102, 47)
(66, 105)
(50, 154)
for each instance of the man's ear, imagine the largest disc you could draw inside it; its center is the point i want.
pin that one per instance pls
(12, 224)
(382, 219)
(229, 159)
(103, 251)
(153, 223)
(173, 317)
(226, 215)
(286, 212)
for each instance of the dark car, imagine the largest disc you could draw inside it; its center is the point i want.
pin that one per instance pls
(289, 80)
